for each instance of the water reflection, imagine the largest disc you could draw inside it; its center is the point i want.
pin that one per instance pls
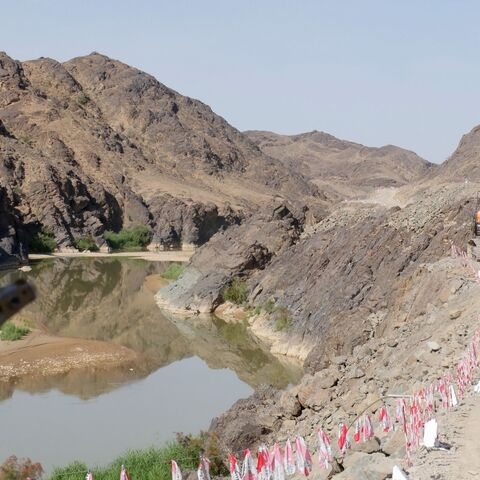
(112, 299)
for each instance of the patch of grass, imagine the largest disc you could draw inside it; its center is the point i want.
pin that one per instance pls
(136, 238)
(151, 463)
(86, 243)
(283, 319)
(269, 306)
(258, 310)
(82, 99)
(173, 271)
(12, 332)
(237, 292)
(42, 241)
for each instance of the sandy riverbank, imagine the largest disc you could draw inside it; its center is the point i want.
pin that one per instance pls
(170, 256)
(41, 354)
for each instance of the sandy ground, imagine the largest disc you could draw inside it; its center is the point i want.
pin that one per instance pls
(42, 354)
(170, 256)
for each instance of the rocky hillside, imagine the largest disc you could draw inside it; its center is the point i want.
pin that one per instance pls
(344, 167)
(93, 144)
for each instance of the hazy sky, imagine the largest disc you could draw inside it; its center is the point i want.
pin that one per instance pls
(376, 72)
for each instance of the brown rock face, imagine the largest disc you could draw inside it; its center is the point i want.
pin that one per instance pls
(93, 144)
(12, 246)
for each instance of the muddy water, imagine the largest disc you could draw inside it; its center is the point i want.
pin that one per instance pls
(193, 369)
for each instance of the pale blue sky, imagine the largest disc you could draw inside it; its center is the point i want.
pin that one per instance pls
(376, 72)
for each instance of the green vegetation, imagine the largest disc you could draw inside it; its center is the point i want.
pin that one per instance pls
(237, 292)
(12, 332)
(283, 319)
(136, 238)
(20, 469)
(281, 315)
(152, 463)
(82, 99)
(269, 306)
(86, 243)
(42, 241)
(173, 271)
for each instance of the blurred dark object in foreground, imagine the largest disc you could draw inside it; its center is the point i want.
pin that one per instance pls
(13, 298)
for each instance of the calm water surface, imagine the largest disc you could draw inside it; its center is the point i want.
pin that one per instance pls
(194, 368)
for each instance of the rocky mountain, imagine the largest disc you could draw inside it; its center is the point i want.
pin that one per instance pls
(346, 168)
(93, 144)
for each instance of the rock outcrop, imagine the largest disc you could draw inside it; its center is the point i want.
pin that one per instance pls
(234, 253)
(13, 249)
(464, 164)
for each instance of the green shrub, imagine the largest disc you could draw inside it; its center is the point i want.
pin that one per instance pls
(283, 319)
(173, 271)
(237, 292)
(86, 243)
(42, 241)
(258, 310)
(11, 332)
(269, 306)
(82, 99)
(131, 239)
(151, 463)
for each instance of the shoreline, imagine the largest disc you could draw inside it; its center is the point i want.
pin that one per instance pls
(168, 256)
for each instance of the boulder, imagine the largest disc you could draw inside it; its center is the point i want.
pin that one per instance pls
(312, 394)
(289, 405)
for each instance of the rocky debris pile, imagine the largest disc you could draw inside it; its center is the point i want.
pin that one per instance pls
(13, 249)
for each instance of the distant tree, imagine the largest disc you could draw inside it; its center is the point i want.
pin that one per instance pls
(20, 469)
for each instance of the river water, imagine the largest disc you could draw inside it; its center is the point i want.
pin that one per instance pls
(194, 368)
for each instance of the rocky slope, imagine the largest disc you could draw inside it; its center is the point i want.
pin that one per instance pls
(347, 168)
(93, 144)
